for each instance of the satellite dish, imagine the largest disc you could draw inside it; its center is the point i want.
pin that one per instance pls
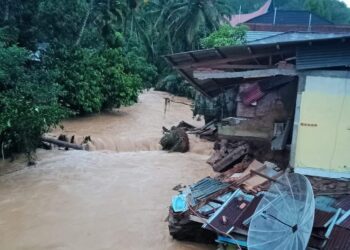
(285, 215)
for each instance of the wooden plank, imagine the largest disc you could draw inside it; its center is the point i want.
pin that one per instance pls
(265, 176)
(203, 75)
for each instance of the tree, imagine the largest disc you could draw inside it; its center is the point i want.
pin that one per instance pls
(319, 7)
(188, 19)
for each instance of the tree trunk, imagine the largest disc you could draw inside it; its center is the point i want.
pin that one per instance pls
(169, 42)
(7, 10)
(62, 143)
(87, 15)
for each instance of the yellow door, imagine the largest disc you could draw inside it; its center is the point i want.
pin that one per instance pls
(341, 158)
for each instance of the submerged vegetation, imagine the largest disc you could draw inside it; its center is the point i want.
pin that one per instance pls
(75, 57)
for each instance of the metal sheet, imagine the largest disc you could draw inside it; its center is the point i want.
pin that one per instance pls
(339, 239)
(321, 218)
(344, 203)
(325, 56)
(296, 36)
(206, 187)
(346, 224)
(257, 35)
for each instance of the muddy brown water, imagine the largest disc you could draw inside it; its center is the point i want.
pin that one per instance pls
(114, 197)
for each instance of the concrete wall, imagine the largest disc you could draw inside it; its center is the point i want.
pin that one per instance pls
(321, 139)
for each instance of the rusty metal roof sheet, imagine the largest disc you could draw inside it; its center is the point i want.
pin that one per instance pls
(232, 214)
(346, 223)
(321, 218)
(339, 239)
(344, 203)
(248, 212)
(225, 220)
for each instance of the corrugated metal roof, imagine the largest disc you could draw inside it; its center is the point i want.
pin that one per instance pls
(346, 223)
(297, 36)
(206, 187)
(257, 35)
(339, 239)
(299, 17)
(259, 55)
(248, 212)
(325, 56)
(321, 218)
(344, 203)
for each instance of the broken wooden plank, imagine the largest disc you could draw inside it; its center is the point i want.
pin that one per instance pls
(231, 158)
(203, 75)
(265, 176)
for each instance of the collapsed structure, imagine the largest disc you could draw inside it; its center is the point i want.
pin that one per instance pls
(292, 115)
(293, 91)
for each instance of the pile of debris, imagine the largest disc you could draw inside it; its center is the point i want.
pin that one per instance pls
(220, 209)
(176, 139)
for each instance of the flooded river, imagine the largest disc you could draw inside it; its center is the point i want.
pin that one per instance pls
(114, 197)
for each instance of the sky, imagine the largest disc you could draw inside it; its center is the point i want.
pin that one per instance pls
(347, 2)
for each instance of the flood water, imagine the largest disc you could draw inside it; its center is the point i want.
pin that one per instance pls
(114, 197)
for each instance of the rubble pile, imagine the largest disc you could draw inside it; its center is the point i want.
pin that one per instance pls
(220, 209)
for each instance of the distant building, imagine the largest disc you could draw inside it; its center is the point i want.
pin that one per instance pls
(268, 21)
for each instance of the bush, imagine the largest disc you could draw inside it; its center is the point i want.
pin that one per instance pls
(147, 72)
(80, 76)
(28, 102)
(27, 112)
(118, 87)
(226, 35)
(95, 80)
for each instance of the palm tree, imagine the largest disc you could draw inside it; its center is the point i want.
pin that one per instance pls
(187, 19)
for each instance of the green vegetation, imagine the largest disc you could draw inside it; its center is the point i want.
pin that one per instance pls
(226, 35)
(74, 57)
(29, 103)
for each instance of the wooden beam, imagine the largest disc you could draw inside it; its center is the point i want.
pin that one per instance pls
(238, 66)
(252, 171)
(202, 75)
(209, 62)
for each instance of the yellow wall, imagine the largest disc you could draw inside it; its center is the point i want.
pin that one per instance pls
(323, 137)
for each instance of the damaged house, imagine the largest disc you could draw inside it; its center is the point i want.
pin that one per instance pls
(292, 114)
(289, 91)
(293, 94)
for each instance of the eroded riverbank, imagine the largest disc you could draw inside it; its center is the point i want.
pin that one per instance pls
(103, 199)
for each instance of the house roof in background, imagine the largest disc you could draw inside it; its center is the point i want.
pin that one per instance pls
(290, 17)
(242, 18)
